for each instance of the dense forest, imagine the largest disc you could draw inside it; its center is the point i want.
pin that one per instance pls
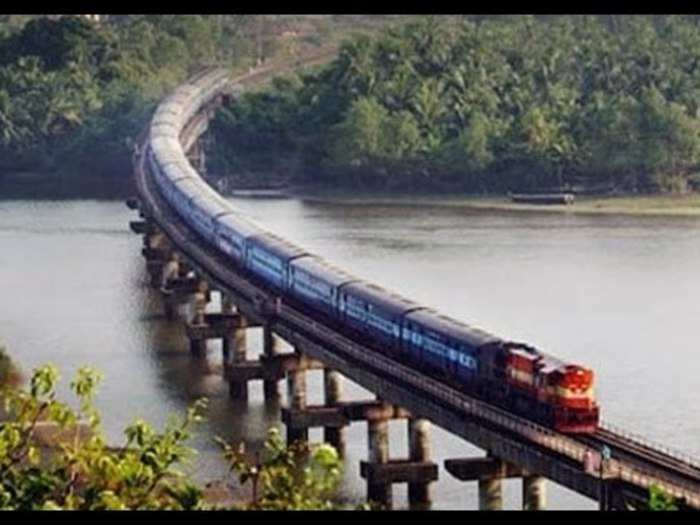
(483, 104)
(75, 92)
(478, 104)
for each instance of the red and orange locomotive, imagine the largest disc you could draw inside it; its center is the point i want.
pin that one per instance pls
(555, 392)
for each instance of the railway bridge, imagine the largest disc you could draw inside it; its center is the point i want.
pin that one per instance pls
(187, 270)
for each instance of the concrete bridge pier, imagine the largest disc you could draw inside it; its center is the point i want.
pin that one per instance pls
(229, 340)
(381, 472)
(183, 269)
(198, 345)
(490, 472)
(170, 273)
(333, 389)
(296, 400)
(156, 240)
(534, 493)
(271, 344)
(378, 491)
(235, 352)
(490, 493)
(419, 452)
(155, 272)
(156, 250)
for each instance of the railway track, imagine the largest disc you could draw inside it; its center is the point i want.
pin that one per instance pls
(636, 459)
(623, 447)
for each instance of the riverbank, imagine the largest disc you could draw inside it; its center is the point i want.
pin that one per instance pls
(10, 375)
(648, 205)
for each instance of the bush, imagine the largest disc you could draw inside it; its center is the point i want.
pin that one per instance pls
(79, 472)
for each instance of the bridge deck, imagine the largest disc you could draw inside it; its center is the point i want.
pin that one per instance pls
(538, 450)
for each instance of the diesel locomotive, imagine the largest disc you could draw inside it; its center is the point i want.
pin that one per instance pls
(512, 375)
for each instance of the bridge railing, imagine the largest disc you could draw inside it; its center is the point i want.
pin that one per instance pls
(535, 433)
(548, 438)
(672, 452)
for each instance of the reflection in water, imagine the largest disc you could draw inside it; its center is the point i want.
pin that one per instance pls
(616, 293)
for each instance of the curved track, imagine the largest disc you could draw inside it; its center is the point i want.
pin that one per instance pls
(636, 462)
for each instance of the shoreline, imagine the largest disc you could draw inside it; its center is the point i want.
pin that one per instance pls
(660, 205)
(644, 205)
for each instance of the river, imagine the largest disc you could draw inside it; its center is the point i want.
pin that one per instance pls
(616, 293)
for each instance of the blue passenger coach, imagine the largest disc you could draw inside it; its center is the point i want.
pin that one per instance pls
(185, 191)
(373, 310)
(316, 282)
(443, 343)
(232, 231)
(268, 257)
(203, 214)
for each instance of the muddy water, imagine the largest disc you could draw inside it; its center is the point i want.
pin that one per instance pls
(616, 293)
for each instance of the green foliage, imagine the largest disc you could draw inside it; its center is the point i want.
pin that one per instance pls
(287, 478)
(659, 500)
(73, 93)
(491, 103)
(79, 471)
(82, 472)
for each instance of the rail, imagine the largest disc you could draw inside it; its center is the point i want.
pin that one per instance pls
(566, 446)
(678, 455)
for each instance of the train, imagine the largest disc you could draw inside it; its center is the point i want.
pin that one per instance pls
(511, 375)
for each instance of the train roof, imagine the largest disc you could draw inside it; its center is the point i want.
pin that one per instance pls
(168, 158)
(185, 90)
(174, 172)
(213, 194)
(278, 245)
(166, 118)
(203, 72)
(433, 320)
(211, 207)
(321, 268)
(187, 168)
(545, 363)
(548, 363)
(189, 188)
(379, 296)
(163, 143)
(176, 176)
(168, 111)
(162, 129)
(240, 224)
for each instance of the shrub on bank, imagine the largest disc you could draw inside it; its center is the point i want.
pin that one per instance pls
(78, 470)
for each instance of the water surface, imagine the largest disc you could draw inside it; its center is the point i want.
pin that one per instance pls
(615, 293)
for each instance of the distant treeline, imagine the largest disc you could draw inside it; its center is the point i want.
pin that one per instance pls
(75, 93)
(483, 105)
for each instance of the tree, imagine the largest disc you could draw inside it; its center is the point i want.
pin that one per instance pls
(360, 137)
(287, 478)
(537, 101)
(473, 148)
(659, 500)
(85, 474)
(81, 472)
